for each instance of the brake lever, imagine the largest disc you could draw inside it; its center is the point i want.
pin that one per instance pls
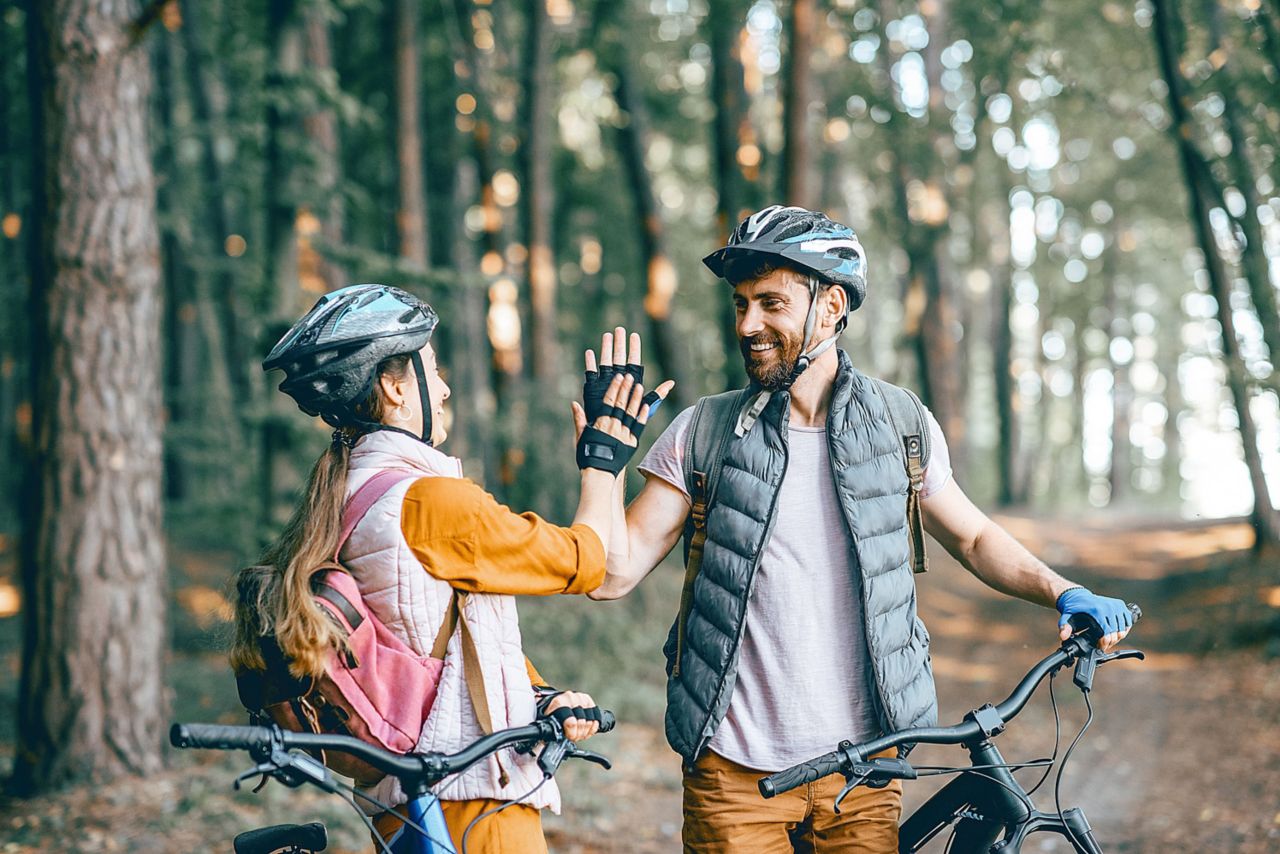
(264, 770)
(1122, 653)
(576, 752)
(851, 782)
(1087, 664)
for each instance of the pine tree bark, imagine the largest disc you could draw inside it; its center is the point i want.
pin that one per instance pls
(1253, 256)
(922, 210)
(92, 700)
(411, 222)
(1120, 476)
(797, 155)
(539, 198)
(322, 132)
(660, 273)
(729, 100)
(1266, 522)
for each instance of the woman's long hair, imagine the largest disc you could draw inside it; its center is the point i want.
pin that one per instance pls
(274, 598)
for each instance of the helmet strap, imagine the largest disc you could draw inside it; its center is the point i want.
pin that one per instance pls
(808, 356)
(424, 396)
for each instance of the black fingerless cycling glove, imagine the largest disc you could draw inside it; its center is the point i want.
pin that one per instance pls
(596, 383)
(598, 450)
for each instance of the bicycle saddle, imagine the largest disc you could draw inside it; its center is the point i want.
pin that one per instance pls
(290, 837)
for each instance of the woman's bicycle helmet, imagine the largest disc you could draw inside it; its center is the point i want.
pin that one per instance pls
(330, 357)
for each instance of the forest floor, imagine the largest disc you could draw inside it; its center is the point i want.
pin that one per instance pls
(1183, 754)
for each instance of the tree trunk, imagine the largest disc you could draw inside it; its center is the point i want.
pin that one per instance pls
(322, 132)
(660, 273)
(1266, 522)
(729, 102)
(797, 155)
(1009, 490)
(1120, 477)
(539, 197)
(92, 700)
(1253, 256)
(933, 327)
(284, 40)
(412, 219)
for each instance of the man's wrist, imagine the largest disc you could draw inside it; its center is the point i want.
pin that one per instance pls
(598, 477)
(1062, 588)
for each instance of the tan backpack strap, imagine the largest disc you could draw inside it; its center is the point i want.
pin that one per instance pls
(694, 564)
(440, 648)
(471, 667)
(915, 519)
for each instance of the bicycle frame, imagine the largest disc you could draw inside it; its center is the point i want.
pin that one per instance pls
(985, 810)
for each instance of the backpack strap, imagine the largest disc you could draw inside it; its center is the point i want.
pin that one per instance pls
(363, 499)
(713, 422)
(908, 416)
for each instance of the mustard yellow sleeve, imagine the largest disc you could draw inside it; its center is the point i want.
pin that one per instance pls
(535, 678)
(464, 536)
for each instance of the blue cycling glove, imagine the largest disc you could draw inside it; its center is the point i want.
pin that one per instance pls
(1108, 612)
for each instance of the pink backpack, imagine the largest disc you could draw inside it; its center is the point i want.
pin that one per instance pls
(380, 691)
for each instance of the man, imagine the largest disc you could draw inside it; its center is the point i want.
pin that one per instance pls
(799, 627)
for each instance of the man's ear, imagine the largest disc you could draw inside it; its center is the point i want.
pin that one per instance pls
(835, 303)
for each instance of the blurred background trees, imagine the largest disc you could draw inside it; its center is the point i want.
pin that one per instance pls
(1070, 211)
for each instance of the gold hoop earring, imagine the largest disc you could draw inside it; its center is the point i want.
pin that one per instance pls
(402, 412)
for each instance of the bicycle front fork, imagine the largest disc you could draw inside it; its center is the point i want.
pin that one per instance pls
(1073, 825)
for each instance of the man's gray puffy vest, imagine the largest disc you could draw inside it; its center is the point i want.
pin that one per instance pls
(871, 482)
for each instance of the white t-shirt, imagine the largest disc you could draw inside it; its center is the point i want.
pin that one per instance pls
(804, 680)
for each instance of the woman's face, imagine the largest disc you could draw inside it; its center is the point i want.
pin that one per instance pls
(404, 406)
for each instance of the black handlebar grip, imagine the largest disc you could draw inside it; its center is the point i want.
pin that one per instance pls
(219, 737)
(798, 775)
(607, 720)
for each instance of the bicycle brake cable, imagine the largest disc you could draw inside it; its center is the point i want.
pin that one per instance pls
(1057, 735)
(408, 822)
(980, 771)
(368, 822)
(1057, 783)
(498, 809)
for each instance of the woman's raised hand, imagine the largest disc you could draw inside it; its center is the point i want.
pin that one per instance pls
(621, 372)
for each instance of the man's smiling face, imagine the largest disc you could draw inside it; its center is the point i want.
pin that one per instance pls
(771, 311)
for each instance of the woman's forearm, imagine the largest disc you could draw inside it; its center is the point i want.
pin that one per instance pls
(595, 505)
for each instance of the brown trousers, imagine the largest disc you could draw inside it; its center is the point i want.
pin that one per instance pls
(515, 830)
(724, 812)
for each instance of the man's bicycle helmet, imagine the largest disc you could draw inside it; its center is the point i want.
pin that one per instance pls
(330, 357)
(809, 242)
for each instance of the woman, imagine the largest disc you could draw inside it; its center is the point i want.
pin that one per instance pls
(361, 359)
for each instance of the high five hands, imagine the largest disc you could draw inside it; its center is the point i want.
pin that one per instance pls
(615, 408)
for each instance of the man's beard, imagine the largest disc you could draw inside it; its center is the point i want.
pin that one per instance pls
(772, 369)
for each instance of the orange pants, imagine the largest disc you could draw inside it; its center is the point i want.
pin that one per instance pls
(724, 812)
(515, 830)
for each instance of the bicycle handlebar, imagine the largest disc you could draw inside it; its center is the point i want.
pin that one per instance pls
(260, 740)
(1078, 646)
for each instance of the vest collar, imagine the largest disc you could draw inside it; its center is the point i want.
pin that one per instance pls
(778, 407)
(386, 449)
